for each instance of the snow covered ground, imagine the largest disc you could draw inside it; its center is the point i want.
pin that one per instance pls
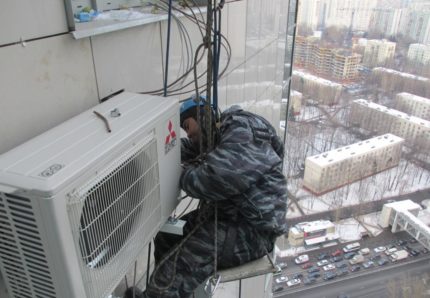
(400, 180)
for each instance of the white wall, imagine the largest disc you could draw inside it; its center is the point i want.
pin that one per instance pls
(51, 77)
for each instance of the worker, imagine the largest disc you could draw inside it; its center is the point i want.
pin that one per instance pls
(243, 176)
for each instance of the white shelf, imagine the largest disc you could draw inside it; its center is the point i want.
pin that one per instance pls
(97, 27)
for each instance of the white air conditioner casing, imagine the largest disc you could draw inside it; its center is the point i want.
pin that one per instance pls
(78, 203)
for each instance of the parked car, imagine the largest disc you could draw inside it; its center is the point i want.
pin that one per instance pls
(297, 276)
(336, 253)
(401, 242)
(329, 267)
(349, 255)
(343, 271)
(355, 268)
(364, 251)
(375, 257)
(336, 259)
(412, 240)
(368, 264)
(322, 263)
(313, 269)
(329, 275)
(342, 265)
(314, 275)
(382, 262)
(389, 246)
(352, 247)
(424, 250)
(309, 281)
(301, 259)
(293, 282)
(356, 259)
(281, 279)
(390, 251)
(307, 265)
(322, 256)
(379, 249)
(414, 252)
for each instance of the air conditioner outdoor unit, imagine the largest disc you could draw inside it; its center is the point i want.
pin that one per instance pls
(78, 203)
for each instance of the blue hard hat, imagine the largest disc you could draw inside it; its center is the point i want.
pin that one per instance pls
(188, 108)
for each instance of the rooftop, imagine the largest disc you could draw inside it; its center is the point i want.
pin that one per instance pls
(356, 149)
(316, 79)
(396, 113)
(402, 74)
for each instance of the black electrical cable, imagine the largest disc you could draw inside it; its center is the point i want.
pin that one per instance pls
(181, 79)
(166, 73)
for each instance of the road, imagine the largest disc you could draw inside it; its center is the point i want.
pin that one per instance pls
(375, 284)
(384, 239)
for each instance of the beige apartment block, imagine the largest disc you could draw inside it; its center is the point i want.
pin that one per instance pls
(378, 52)
(380, 119)
(326, 61)
(323, 91)
(345, 65)
(393, 81)
(413, 104)
(332, 169)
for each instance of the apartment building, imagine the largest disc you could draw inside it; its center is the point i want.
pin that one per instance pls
(393, 81)
(345, 65)
(378, 52)
(323, 91)
(346, 13)
(386, 21)
(333, 63)
(380, 119)
(332, 169)
(303, 50)
(419, 54)
(415, 22)
(413, 104)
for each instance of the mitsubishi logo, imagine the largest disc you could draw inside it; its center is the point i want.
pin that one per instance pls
(170, 139)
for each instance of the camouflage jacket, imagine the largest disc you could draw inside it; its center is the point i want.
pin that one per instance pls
(243, 173)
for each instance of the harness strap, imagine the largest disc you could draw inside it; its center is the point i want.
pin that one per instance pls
(229, 242)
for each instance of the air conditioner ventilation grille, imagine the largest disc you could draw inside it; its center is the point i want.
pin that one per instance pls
(20, 246)
(112, 212)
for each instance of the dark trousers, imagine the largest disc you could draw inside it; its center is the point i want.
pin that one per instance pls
(193, 261)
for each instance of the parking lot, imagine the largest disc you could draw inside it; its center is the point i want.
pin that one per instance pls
(333, 262)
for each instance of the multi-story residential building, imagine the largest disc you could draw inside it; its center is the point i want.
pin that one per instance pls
(307, 14)
(386, 21)
(319, 89)
(349, 12)
(415, 22)
(330, 170)
(338, 64)
(345, 65)
(419, 54)
(393, 82)
(378, 52)
(303, 50)
(413, 104)
(380, 119)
